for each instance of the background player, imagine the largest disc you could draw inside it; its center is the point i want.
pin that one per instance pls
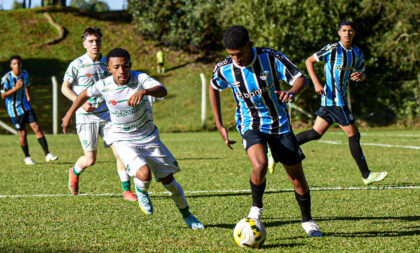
(15, 89)
(342, 63)
(92, 119)
(130, 95)
(254, 76)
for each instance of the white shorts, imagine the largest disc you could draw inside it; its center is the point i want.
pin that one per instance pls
(154, 154)
(89, 134)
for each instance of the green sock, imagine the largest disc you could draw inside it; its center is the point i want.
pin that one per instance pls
(75, 173)
(126, 186)
(185, 212)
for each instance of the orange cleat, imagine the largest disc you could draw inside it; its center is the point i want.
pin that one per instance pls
(129, 196)
(73, 182)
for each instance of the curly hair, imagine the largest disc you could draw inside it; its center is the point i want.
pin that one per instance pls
(118, 52)
(235, 37)
(94, 30)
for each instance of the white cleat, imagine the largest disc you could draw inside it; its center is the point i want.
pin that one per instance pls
(28, 161)
(311, 229)
(50, 157)
(255, 213)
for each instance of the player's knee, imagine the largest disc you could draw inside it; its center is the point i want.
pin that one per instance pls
(90, 161)
(355, 138)
(315, 134)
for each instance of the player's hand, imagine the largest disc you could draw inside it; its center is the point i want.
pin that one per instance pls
(319, 89)
(88, 107)
(136, 98)
(224, 133)
(357, 76)
(19, 84)
(66, 123)
(286, 96)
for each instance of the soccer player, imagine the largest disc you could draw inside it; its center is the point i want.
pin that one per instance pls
(253, 74)
(343, 62)
(93, 118)
(15, 89)
(130, 95)
(160, 58)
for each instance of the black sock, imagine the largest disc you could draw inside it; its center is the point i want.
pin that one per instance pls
(257, 194)
(44, 144)
(306, 136)
(304, 202)
(25, 150)
(358, 156)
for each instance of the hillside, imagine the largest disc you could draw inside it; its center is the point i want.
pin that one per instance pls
(28, 31)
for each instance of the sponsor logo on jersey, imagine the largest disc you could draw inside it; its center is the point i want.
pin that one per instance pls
(89, 75)
(340, 67)
(113, 102)
(237, 84)
(254, 93)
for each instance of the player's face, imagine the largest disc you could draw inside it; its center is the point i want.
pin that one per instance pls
(346, 33)
(119, 67)
(16, 66)
(93, 44)
(242, 56)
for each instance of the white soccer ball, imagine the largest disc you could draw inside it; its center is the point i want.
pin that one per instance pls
(249, 233)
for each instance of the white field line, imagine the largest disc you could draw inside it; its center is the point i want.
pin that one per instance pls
(378, 134)
(374, 144)
(351, 188)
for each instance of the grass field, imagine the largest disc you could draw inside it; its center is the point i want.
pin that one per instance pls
(37, 214)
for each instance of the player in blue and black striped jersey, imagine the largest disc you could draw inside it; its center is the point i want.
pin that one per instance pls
(254, 74)
(15, 90)
(343, 62)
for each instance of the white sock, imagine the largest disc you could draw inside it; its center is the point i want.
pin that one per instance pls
(177, 194)
(123, 175)
(77, 168)
(142, 185)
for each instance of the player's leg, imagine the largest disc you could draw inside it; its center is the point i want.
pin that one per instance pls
(33, 123)
(303, 197)
(177, 194)
(88, 136)
(319, 128)
(24, 144)
(142, 181)
(124, 177)
(356, 151)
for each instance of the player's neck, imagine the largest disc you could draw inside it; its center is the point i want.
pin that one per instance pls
(16, 72)
(346, 44)
(95, 57)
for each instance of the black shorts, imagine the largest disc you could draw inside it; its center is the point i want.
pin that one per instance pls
(338, 114)
(161, 64)
(20, 121)
(284, 147)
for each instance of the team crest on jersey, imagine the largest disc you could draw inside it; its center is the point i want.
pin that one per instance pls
(113, 102)
(264, 75)
(89, 75)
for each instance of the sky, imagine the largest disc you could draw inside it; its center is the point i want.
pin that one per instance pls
(113, 4)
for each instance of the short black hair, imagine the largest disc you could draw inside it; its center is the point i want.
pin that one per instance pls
(346, 22)
(118, 52)
(15, 57)
(235, 37)
(93, 30)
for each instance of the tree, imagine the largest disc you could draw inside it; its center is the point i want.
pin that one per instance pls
(91, 5)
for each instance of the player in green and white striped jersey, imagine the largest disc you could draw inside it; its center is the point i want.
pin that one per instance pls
(92, 119)
(129, 96)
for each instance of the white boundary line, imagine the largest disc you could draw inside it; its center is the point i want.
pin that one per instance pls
(374, 144)
(351, 188)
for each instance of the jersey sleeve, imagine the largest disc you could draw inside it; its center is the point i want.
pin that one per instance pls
(4, 85)
(26, 82)
(95, 90)
(322, 54)
(360, 64)
(286, 70)
(71, 73)
(218, 81)
(147, 82)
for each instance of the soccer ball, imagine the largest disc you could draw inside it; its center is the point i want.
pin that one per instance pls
(249, 233)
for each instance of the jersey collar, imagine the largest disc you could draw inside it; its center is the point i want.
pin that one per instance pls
(254, 57)
(341, 44)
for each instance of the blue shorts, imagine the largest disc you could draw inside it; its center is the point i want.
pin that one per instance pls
(339, 114)
(284, 147)
(20, 121)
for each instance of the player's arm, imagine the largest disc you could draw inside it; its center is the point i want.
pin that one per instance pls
(80, 100)
(68, 93)
(156, 91)
(28, 94)
(298, 86)
(319, 89)
(18, 86)
(214, 96)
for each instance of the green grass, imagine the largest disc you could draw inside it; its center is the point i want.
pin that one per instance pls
(351, 220)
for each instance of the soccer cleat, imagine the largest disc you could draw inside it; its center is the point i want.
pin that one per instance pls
(73, 182)
(311, 229)
(375, 177)
(271, 163)
(193, 223)
(129, 196)
(28, 161)
(50, 157)
(255, 213)
(145, 203)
